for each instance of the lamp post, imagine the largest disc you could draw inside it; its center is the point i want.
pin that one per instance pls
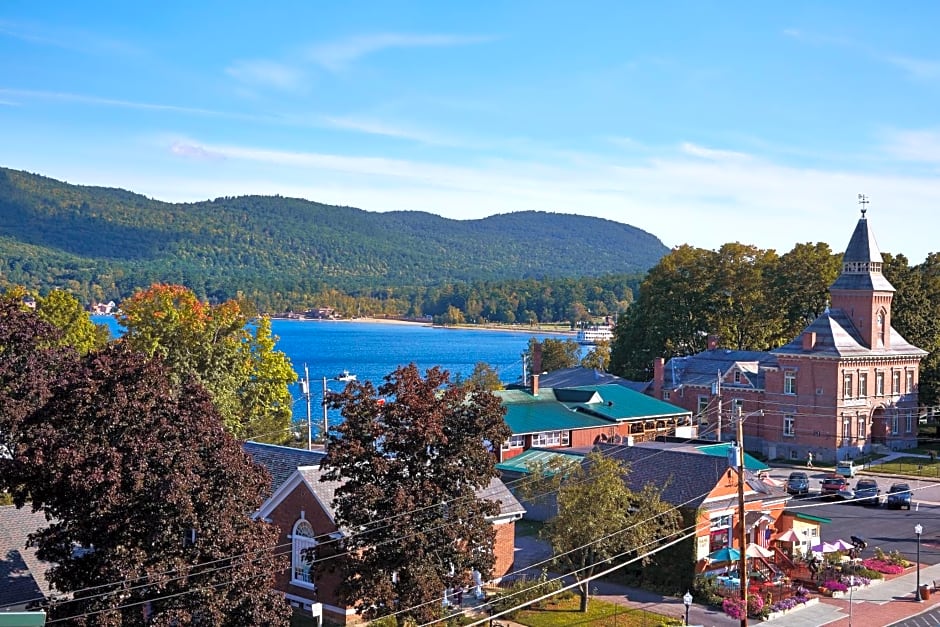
(687, 599)
(918, 529)
(851, 592)
(742, 529)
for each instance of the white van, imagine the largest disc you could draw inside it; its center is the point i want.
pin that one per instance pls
(846, 469)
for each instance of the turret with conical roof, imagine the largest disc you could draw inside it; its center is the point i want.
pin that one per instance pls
(862, 292)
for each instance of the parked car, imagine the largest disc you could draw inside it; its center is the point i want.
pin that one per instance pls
(797, 483)
(866, 492)
(846, 469)
(836, 486)
(899, 495)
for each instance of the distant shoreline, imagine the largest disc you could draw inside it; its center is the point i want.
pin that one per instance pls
(463, 327)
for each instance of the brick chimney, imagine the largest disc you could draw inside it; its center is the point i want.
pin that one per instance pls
(809, 340)
(535, 385)
(537, 358)
(712, 342)
(658, 373)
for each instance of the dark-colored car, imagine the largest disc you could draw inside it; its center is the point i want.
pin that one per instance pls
(797, 483)
(899, 495)
(866, 492)
(835, 485)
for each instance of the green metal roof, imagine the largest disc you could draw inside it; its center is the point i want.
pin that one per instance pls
(819, 519)
(721, 450)
(617, 402)
(22, 619)
(580, 408)
(520, 463)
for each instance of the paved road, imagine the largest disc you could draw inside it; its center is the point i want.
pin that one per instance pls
(930, 618)
(885, 528)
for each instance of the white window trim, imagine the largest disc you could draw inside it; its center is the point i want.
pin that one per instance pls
(790, 420)
(299, 542)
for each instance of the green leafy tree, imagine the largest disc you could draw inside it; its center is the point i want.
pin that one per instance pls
(63, 310)
(414, 463)
(556, 354)
(741, 313)
(245, 375)
(600, 521)
(485, 377)
(598, 357)
(150, 502)
(799, 285)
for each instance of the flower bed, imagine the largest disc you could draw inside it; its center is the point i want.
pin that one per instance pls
(792, 604)
(882, 566)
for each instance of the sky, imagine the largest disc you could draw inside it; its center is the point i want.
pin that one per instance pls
(699, 122)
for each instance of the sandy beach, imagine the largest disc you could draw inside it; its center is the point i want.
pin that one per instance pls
(508, 328)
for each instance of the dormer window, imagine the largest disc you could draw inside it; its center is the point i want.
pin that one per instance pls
(737, 376)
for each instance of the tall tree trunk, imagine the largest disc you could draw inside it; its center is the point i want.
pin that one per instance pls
(583, 588)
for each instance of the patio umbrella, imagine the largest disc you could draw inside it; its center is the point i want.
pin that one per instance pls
(756, 550)
(843, 545)
(788, 536)
(726, 554)
(825, 547)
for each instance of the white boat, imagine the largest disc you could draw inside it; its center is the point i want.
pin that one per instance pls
(345, 376)
(595, 334)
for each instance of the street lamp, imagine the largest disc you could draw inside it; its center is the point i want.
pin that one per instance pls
(687, 599)
(918, 529)
(742, 530)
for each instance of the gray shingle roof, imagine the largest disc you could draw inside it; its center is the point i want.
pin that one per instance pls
(702, 368)
(861, 263)
(22, 574)
(281, 461)
(836, 336)
(684, 478)
(495, 491)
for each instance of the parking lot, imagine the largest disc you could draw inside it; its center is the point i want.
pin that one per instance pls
(889, 529)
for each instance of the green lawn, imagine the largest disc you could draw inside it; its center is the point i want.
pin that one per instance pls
(914, 466)
(564, 613)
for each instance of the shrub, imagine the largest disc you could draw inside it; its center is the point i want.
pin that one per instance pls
(882, 566)
(706, 591)
(524, 589)
(865, 573)
(756, 606)
(879, 554)
(894, 557)
(835, 586)
(733, 607)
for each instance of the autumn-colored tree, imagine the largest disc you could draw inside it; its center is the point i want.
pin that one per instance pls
(600, 521)
(149, 501)
(412, 455)
(598, 357)
(63, 310)
(555, 354)
(243, 372)
(485, 377)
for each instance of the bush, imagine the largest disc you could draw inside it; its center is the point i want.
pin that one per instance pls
(524, 589)
(882, 566)
(835, 586)
(865, 573)
(733, 607)
(705, 590)
(895, 558)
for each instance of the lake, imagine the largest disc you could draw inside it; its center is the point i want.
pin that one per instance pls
(371, 350)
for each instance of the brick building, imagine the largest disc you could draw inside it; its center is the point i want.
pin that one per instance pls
(848, 382)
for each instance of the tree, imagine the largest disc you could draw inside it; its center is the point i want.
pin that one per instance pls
(63, 310)
(410, 468)
(556, 354)
(799, 285)
(485, 377)
(32, 360)
(598, 357)
(149, 499)
(599, 520)
(246, 377)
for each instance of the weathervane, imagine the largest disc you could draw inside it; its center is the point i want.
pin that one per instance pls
(863, 201)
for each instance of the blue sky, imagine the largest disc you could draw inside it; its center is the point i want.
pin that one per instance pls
(700, 122)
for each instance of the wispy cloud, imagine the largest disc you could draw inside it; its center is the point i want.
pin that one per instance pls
(189, 150)
(338, 55)
(130, 104)
(817, 38)
(712, 154)
(67, 38)
(266, 74)
(920, 69)
(918, 146)
(373, 126)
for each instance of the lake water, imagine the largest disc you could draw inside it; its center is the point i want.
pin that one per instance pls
(371, 350)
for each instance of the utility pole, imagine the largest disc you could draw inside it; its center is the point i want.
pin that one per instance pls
(742, 531)
(326, 424)
(305, 388)
(717, 392)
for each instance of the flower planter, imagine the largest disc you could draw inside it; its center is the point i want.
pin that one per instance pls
(775, 615)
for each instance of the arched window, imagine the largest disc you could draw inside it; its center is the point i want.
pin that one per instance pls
(302, 555)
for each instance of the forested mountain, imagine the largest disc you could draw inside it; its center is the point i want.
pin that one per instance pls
(103, 243)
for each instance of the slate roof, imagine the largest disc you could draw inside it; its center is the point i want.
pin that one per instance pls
(861, 263)
(702, 368)
(281, 461)
(836, 336)
(556, 409)
(326, 492)
(684, 478)
(580, 376)
(22, 574)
